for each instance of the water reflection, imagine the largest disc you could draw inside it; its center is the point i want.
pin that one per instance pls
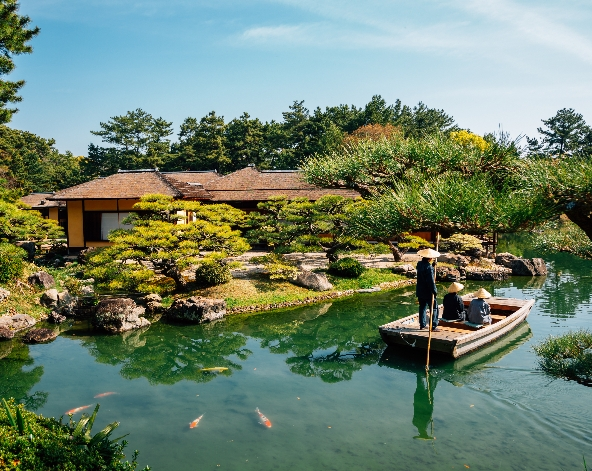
(16, 378)
(329, 341)
(166, 354)
(454, 371)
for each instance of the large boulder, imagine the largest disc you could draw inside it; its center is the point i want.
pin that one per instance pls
(540, 267)
(116, 315)
(67, 304)
(40, 336)
(17, 322)
(454, 259)
(505, 259)
(196, 310)
(28, 247)
(447, 274)
(406, 270)
(6, 333)
(311, 280)
(55, 317)
(153, 303)
(481, 274)
(41, 278)
(49, 298)
(523, 267)
(4, 294)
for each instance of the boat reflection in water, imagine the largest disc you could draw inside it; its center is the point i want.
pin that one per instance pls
(453, 371)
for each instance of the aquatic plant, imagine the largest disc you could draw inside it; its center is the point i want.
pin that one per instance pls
(567, 356)
(31, 442)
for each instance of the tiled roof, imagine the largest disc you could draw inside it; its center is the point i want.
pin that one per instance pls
(193, 191)
(250, 184)
(121, 185)
(194, 176)
(39, 201)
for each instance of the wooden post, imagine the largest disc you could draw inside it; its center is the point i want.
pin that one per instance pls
(427, 367)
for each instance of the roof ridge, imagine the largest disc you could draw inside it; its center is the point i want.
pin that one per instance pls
(169, 184)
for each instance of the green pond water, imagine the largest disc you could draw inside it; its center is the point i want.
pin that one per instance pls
(337, 398)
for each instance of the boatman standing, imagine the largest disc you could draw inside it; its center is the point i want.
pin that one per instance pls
(426, 290)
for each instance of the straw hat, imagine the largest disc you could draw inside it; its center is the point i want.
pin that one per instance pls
(455, 287)
(481, 293)
(428, 253)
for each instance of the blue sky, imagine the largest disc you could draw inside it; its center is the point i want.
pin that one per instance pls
(485, 62)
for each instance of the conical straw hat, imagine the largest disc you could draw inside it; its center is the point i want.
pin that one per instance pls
(428, 253)
(455, 287)
(481, 293)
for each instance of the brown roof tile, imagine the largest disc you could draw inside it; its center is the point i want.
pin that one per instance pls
(250, 184)
(39, 201)
(189, 190)
(121, 185)
(194, 176)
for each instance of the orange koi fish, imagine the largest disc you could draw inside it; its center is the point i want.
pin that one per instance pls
(262, 419)
(105, 394)
(195, 423)
(77, 409)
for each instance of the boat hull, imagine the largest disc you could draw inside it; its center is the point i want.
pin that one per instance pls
(457, 339)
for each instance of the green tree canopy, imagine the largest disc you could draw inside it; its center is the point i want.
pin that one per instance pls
(137, 139)
(161, 237)
(564, 135)
(14, 37)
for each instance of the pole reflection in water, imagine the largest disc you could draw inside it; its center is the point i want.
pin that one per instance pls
(423, 405)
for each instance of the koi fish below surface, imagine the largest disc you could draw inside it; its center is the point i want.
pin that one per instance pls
(77, 409)
(216, 369)
(195, 423)
(262, 419)
(105, 394)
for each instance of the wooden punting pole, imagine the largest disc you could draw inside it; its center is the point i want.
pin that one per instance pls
(427, 367)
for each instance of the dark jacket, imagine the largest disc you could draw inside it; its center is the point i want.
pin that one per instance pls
(425, 280)
(453, 307)
(479, 312)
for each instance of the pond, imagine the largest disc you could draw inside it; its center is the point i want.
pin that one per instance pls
(336, 397)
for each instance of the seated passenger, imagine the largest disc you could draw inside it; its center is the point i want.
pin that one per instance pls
(454, 309)
(479, 311)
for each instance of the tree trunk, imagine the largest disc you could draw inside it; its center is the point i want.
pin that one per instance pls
(172, 271)
(582, 216)
(397, 254)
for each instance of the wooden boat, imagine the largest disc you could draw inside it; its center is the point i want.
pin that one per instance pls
(457, 338)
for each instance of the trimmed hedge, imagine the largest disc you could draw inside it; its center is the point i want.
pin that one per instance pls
(212, 273)
(12, 262)
(346, 267)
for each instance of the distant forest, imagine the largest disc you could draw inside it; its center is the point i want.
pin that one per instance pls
(138, 140)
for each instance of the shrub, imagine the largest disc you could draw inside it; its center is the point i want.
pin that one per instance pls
(346, 268)
(277, 266)
(212, 273)
(29, 442)
(12, 262)
(567, 356)
(409, 241)
(462, 244)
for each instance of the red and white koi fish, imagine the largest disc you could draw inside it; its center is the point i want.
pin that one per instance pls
(105, 394)
(77, 409)
(262, 419)
(195, 423)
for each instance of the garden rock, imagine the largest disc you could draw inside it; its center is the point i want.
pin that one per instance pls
(28, 247)
(311, 280)
(4, 294)
(505, 259)
(447, 274)
(55, 317)
(406, 270)
(40, 336)
(116, 315)
(17, 322)
(49, 298)
(488, 275)
(87, 290)
(153, 303)
(67, 304)
(6, 334)
(196, 309)
(41, 278)
(523, 267)
(375, 289)
(540, 267)
(454, 259)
